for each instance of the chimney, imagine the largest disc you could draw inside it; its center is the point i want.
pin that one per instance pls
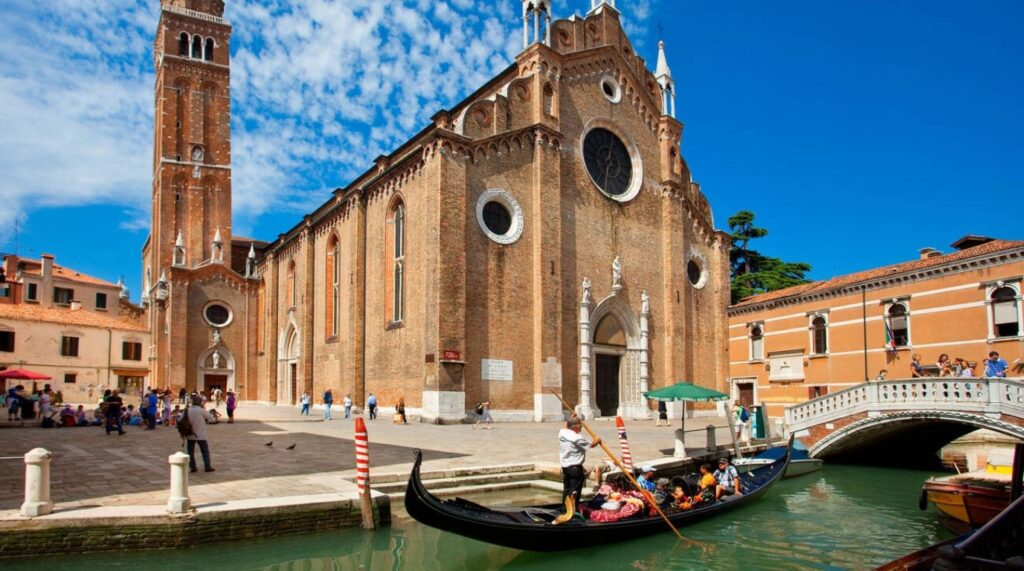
(929, 253)
(47, 269)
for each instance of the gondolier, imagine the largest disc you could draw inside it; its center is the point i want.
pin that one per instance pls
(572, 452)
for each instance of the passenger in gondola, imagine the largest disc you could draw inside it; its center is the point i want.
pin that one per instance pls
(706, 486)
(680, 499)
(662, 495)
(727, 479)
(646, 479)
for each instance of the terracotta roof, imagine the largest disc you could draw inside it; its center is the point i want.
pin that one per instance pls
(36, 269)
(65, 316)
(868, 275)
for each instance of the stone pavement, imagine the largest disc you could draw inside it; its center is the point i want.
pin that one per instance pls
(90, 468)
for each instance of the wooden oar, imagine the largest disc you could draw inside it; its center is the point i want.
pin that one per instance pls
(628, 473)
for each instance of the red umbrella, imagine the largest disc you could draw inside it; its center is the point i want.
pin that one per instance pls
(23, 374)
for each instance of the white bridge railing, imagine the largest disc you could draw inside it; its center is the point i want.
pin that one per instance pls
(985, 396)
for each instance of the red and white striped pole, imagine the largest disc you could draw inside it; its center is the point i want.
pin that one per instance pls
(363, 473)
(627, 458)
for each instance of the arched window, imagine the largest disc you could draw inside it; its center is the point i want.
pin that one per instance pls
(290, 292)
(756, 343)
(197, 47)
(897, 326)
(183, 44)
(819, 334)
(396, 262)
(333, 284)
(1005, 312)
(208, 52)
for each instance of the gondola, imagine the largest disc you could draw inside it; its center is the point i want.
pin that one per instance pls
(530, 528)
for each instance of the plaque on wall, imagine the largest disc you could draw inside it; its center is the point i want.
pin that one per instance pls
(495, 370)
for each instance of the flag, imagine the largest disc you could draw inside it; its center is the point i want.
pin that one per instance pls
(890, 340)
(627, 458)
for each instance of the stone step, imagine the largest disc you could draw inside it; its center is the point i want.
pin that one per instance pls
(450, 473)
(461, 481)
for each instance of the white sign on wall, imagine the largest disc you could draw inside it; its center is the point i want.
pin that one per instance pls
(495, 370)
(786, 366)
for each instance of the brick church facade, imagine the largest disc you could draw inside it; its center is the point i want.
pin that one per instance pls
(543, 235)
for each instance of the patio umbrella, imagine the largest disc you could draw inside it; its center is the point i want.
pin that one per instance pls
(685, 392)
(23, 374)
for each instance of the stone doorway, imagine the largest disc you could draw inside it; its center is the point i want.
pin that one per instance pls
(607, 383)
(215, 381)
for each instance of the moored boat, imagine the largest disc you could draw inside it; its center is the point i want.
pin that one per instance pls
(975, 497)
(531, 528)
(799, 464)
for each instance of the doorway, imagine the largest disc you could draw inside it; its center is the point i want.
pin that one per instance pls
(745, 394)
(211, 382)
(607, 381)
(293, 379)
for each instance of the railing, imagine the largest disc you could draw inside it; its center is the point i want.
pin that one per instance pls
(981, 395)
(194, 14)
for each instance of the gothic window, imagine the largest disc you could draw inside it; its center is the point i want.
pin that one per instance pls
(333, 285)
(183, 44)
(1005, 312)
(290, 293)
(756, 343)
(208, 52)
(897, 326)
(197, 47)
(819, 335)
(261, 317)
(396, 262)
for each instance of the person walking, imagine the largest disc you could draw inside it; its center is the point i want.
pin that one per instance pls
(151, 408)
(572, 453)
(740, 417)
(662, 413)
(198, 417)
(217, 395)
(304, 401)
(181, 395)
(400, 410)
(483, 411)
(112, 400)
(371, 404)
(232, 403)
(14, 396)
(167, 408)
(328, 401)
(348, 406)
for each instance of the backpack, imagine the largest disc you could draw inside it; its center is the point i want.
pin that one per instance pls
(479, 408)
(184, 425)
(744, 415)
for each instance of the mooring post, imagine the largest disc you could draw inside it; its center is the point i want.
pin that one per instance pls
(37, 483)
(179, 501)
(712, 442)
(363, 473)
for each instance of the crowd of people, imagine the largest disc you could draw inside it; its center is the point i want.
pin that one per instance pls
(327, 401)
(992, 367)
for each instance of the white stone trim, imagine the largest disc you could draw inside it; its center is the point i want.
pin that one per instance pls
(702, 263)
(231, 313)
(810, 333)
(616, 95)
(505, 199)
(636, 181)
(750, 341)
(991, 287)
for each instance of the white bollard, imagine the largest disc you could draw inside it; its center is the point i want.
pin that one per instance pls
(37, 483)
(680, 450)
(179, 501)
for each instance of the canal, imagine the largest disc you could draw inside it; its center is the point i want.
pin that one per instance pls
(844, 517)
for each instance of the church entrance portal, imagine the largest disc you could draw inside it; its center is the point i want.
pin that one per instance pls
(215, 381)
(607, 381)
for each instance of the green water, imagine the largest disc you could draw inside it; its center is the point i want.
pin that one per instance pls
(844, 517)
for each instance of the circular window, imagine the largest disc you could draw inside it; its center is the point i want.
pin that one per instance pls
(500, 216)
(217, 314)
(609, 164)
(695, 271)
(610, 88)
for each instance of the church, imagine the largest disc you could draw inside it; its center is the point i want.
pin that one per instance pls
(543, 236)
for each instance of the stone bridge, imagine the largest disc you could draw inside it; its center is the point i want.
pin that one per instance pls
(906, 421)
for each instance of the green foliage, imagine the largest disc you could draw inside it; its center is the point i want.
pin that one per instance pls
(752, 272)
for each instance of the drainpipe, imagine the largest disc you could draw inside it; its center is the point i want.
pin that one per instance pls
(864, 326)
(110, 336)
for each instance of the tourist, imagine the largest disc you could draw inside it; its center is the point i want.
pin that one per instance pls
(400, 411)
(232, 403)
(371, 405)
(112, 410)
(727, 478)
(646, 479)
(483, 412)
(916, 370)
(80, 418)
(132, 417)
(740, 417)
(151, 409)
(882, 375)
(348, 406)
(14, 396)
(945, 366)
(181, 395)
(995, 366)
(662, 495)
(167, 408)
(967, 370)
(304, 401)
(46, 410)
(175, 415)
(67, 416)
(572, 452)
(328, 401)
(198, 417)
(662, 413)
(58, 398)
(707, 485)
(217, 394)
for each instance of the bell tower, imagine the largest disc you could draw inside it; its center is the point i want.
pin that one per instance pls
(192, 134)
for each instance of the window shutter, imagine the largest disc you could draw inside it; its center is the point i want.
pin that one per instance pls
(1005, 312)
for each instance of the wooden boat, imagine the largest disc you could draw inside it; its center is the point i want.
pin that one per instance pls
(799, 464)
(972, 498)
(530, 528)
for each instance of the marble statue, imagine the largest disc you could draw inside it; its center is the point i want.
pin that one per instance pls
(616, 273)
(645, 303)
(586, 290)
(216, 360)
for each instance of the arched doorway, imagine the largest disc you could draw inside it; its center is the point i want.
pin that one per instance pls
(609, 350)
(288, 370)
(216, 369)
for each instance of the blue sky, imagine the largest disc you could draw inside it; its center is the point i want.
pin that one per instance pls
(858, 131)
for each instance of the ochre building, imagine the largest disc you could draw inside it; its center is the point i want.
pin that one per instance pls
(542, 236)
(794, 344)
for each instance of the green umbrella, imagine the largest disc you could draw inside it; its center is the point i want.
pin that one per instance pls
(685, 392)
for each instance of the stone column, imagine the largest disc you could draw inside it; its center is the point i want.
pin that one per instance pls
(37, 483)
(179, 501)
(645, 314)
(584, 407)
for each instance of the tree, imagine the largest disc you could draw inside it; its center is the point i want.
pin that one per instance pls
(752, 272)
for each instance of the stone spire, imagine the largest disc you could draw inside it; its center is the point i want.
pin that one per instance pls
(250, 262)
(179, 250)
(595, 4)
(540, 12)
(217, 248)
(124, 294)
(668, 87)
